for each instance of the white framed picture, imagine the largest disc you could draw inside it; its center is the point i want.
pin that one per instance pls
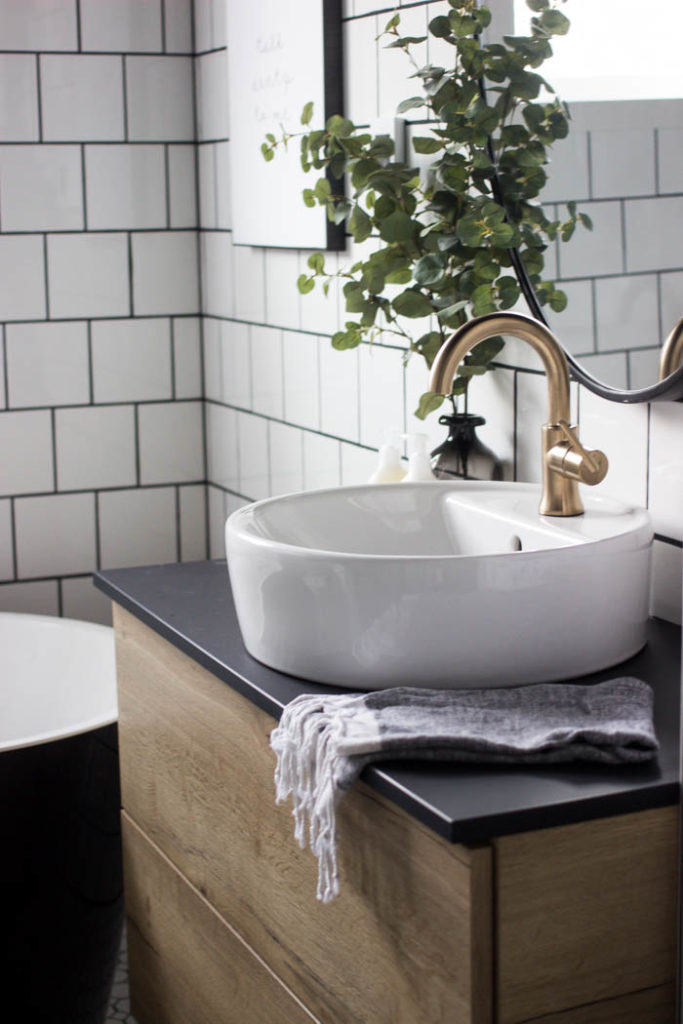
(282, 54)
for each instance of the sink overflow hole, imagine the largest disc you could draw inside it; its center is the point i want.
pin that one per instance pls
(515, 543)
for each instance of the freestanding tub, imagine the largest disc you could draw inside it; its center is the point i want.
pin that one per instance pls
(60, 849)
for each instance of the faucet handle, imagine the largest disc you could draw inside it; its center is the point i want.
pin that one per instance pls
(570, 459)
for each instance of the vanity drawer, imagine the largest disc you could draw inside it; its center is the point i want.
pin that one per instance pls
(410, 937)
(586, 913)
(187, 966)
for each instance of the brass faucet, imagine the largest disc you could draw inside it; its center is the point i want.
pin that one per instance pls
(672, 352)
(565, 460)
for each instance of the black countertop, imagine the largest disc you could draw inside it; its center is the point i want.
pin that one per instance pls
(191, 606)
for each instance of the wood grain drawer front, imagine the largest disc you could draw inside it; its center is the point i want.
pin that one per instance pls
(585, 913)
(187, 966)
(653, 1006)
(408, 940)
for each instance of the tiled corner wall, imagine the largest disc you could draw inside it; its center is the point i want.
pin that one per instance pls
(622, 163)
(109, 132)
(101, 426)
(284, 411)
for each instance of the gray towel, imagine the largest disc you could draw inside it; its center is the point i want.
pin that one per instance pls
(323, 743)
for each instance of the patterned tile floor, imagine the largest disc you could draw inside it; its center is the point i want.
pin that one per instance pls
(119, 1008)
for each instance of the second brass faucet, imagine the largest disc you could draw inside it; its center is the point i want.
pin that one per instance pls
(565, 461)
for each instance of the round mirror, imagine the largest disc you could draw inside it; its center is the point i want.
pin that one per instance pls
(619, 69)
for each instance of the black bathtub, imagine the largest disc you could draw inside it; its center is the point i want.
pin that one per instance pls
(60, 845)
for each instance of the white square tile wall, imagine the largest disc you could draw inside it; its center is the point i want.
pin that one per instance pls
(138, 527)
(47, 364)
(81, 98)
(19, 120)
(131, 360)
(55, 534)
(95, 447)
(41, 188)
(123, 27)
(88, 275)
(125, 186)
(158, 407)
(171, 442)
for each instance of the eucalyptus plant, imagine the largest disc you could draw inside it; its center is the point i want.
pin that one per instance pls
(444, 236)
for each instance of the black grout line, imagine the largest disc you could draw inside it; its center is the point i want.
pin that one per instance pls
(622, 221)
(79, 29)
(173, 359)
(84, 189)
(115, 142)
(131, 301)
(53, 439)
(13, 537)
(124, 82)
(98, 534)
(109, 231)
(167, 185)
(5, 367)
(95, 53)
(162, 16)
(136, 434)
(46, 278)
(657, 162)
(104, 405)
(39, 96)
(75, 491)
(673, 541)
(60, 597)
(178, 523)
(91, 369)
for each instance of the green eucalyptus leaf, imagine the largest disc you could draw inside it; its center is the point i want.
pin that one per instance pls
(360, 224)
(399, 277)
(537, 5)
(462, 24)
(554, 22)
(339, 126)
(429, 269)
(586, 221)
(450, 315)
(267, 152)
(309, 197)
(485, 351)
(558, 301)
(305, 284)
(346, 339)
(429, 402)
(425, 144)
(440, 27)
(409, 104)
(428, 345)
(316, 261)
(307, 113)
(397, 227)
(404, 41)
(412, 303)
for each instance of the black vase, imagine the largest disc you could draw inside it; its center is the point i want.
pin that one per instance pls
(462, 454)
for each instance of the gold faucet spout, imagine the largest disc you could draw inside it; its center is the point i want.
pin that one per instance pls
(565, 460)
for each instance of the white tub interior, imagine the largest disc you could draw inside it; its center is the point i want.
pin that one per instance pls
(57, 678)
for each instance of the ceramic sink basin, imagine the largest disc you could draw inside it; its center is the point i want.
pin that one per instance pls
(438, 584)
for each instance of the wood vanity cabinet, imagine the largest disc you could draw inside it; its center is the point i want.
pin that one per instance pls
(568, 925)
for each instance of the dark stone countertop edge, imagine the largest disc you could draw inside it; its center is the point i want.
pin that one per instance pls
(653, 793)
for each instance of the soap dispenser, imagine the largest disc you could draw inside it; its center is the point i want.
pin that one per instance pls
(390, 469)
(419, 465)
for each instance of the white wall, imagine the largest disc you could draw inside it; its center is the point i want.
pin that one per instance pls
(284, 411)
(101, 426)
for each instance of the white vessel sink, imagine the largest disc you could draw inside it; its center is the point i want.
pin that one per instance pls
(438, 584)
